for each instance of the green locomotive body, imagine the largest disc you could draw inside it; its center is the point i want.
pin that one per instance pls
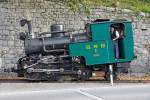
(100, 50)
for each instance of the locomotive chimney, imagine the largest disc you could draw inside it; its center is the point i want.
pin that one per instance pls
(57, 30)
(28, 16)
(27, 21)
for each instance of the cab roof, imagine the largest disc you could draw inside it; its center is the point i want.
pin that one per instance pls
(110, 21)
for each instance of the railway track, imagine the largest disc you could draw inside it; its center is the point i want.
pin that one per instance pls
(121, 79)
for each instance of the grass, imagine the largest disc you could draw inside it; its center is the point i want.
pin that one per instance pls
(135, 5)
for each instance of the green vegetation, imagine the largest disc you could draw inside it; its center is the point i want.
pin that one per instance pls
(135, 5)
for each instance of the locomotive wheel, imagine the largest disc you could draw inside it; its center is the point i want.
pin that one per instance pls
(20, 73)
(85, 75)
(32, 76)
(52, 77)
(107, 76)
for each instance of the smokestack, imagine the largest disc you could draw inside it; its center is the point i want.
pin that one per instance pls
(28, 17)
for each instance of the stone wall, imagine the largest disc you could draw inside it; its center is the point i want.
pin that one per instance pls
(44, 13)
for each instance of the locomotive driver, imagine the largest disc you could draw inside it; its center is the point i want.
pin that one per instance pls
(115, 36)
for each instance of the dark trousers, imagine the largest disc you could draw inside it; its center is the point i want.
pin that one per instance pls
(116, 49)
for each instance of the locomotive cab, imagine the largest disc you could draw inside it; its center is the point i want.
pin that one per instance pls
(100, 50)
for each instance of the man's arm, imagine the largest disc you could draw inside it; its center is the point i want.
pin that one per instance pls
(117, 36)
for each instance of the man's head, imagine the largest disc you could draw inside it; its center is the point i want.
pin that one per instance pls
(112, 29)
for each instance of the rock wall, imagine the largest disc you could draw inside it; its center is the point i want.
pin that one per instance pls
(44, 13)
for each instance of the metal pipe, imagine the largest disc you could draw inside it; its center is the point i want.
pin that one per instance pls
(32, 35)
(0, 62)
(111, 74)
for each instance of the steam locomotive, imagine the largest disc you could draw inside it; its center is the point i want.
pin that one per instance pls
(77, 56)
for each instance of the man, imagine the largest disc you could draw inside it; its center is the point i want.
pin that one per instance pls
(115, 36)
